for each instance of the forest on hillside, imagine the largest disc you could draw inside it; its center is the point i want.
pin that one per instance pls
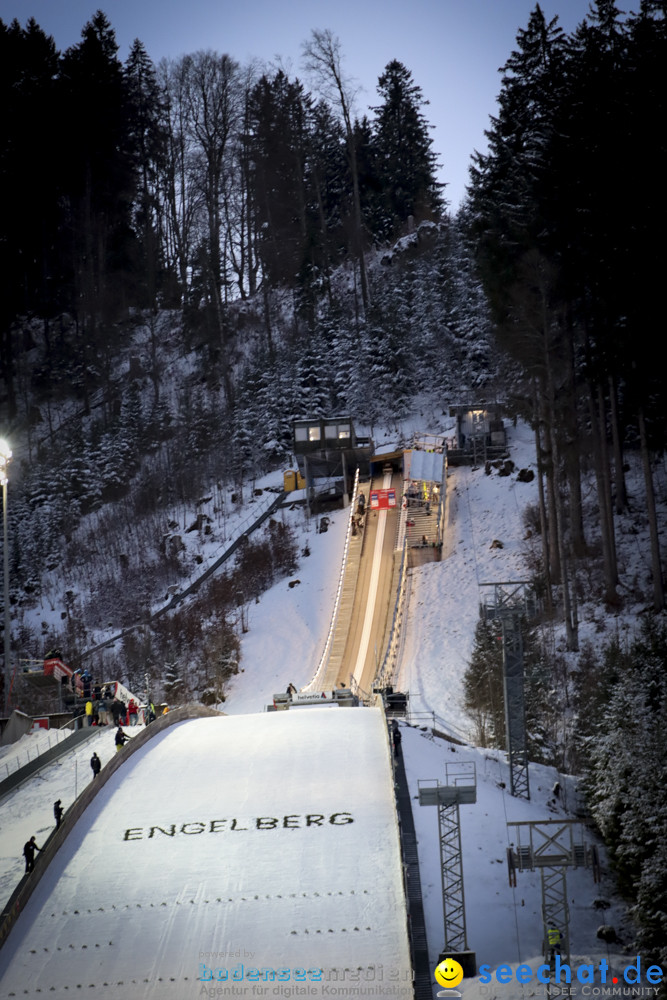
(197, 252)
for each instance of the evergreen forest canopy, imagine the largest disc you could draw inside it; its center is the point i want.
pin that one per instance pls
(192, 183)
(566, 212)
(251, 223)
(250, 216)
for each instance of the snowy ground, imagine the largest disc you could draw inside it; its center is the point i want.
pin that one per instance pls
(28, 747)
(244, 861)
(445, 596)
(28, 809)
(504, 925)
(287, 629)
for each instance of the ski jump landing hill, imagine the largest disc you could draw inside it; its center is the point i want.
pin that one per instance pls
(226, 856)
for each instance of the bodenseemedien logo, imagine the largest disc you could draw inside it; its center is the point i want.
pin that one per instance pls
(592, 977)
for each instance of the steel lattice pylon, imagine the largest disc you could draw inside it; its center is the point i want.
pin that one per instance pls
(555, 912)
(510, 607)
(552, 845)
(460, 787)
(453, 899)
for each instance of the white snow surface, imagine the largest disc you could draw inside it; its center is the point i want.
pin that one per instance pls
(330, 767)
(287, 629)
(28, 809)
(215, 841)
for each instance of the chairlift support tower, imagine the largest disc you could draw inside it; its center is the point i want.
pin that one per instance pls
(511, 603)
(553, 846)
(460, 788)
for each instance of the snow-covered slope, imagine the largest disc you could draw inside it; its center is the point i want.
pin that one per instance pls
(268, 841)
(445, 596)
(286, 635)
(28, 810)
(504, 924)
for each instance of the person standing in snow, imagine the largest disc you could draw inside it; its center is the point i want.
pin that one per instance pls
(121, 739)
(58, 812)
(29, 854)
(96, 764)
(102, 718)
(553, 939)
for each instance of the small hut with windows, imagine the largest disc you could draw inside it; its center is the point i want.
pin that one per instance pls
(328, 451)
(480, 434)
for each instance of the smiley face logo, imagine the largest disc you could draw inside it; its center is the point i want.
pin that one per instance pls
(449, 973)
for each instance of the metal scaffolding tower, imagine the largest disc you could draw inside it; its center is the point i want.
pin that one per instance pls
(555, 911)
(553, 846)
(460, 788)
(510, 605)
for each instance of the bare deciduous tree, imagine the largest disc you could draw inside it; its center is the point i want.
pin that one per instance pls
(322, 59)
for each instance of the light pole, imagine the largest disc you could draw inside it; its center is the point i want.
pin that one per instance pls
(5, 458)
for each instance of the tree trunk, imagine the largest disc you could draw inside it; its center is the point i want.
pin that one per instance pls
(324, 59)
(619, 475)
(323, 233)
(571, 625)
(544, 528)
(606, 474)
(656, 566)
(267, 319)
(550, 473)
(358, 220)
(607, 533)
(571, 456)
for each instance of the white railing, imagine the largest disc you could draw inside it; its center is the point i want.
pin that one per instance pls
(12, 762)
(435, 722)
(389, 664)
(324, 659)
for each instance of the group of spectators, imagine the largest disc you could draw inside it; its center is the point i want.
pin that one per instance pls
(104, 709)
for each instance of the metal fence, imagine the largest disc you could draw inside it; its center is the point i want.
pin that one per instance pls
(18, 757)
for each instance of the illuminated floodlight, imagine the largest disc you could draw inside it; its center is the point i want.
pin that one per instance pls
(5, 458)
